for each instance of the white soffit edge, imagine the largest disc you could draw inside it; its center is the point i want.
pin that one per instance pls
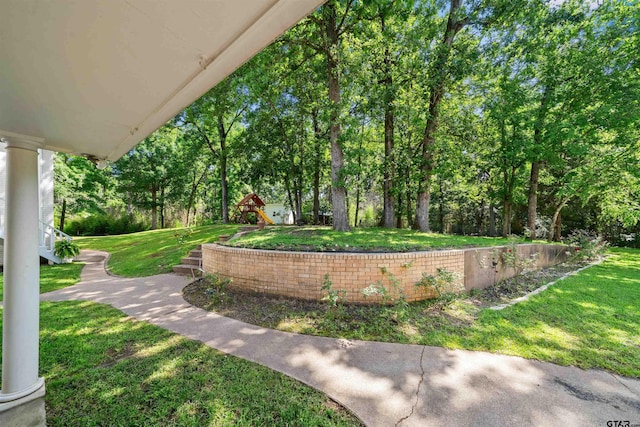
(98, 76)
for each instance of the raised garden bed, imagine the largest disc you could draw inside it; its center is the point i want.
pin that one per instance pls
(372, 277)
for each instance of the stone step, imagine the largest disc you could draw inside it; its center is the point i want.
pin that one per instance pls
(191, 261)
(198, 247)
(196, 253)
(187, 270)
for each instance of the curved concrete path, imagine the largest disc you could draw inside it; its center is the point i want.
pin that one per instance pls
(383, 384)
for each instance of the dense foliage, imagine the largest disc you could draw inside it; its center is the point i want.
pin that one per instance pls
(467, 117)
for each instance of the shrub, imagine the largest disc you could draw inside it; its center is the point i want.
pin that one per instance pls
(182, 236)
(66, 249)
(217, 287)
(631, 240)
(444, 282)
(586, 245)
(543, 224)
(392, 294)
(511, 258)
(334, 297)
(103, 224)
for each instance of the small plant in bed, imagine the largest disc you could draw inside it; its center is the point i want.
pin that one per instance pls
(443, 282)
(66, 249)
(586, 246)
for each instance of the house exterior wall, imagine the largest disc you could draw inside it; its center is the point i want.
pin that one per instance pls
(46, 186)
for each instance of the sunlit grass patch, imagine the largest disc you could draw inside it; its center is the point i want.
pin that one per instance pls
(103, 368)
(590, 320)
(54, 277)
(317, 238)
(152, 252)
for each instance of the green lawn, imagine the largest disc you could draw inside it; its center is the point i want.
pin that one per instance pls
(53, 277)
(152, 252)
(103, 368)
(590, 320)
(367, 239)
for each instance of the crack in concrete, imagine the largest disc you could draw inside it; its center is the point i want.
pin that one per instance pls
(615, 377)
(579, 393)
(413, 407)
(591, 397)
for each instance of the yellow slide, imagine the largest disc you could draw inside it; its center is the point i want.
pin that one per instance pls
(265, 217)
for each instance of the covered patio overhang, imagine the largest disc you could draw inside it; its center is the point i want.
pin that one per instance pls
(94, 78)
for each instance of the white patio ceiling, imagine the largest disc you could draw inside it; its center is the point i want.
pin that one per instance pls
(97, 76)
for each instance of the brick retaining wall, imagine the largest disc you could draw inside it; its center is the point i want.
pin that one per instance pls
(301, 274)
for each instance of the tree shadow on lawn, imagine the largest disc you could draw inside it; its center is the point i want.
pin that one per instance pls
(103, 368)
(586, 320)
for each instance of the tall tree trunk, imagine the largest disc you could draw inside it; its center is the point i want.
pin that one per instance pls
(189, 204)
(409, 207)
(154, 208)
(222, 135)
(389, 139)
(507, 200)
(480, 219)
(355, 221)
(555, 219)
(224, 188)
(162, 207)
(437, 89)
(399, 213)
(536, 163)
(359, 175)
(492, 220)
(441, 206)
(195, 183)
(299, 207)
(389, 167)
(559, 227)
(316, 196)
(507, 208)
(298, 199)
(287, 187)
(317, 153)
(424, 186)
(532, 205)
(63, 214)
(300, 176)
(338, 185)
(191, 198)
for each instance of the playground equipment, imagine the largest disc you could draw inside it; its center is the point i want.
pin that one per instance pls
(264, 217)
(251, 203)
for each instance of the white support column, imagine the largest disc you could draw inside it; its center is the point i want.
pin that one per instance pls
(20, 327)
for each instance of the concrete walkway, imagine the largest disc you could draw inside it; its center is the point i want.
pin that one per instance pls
(383, 384)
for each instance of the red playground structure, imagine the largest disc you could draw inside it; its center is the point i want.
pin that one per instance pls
(251, 203)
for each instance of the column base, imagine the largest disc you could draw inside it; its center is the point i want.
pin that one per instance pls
(28, 411)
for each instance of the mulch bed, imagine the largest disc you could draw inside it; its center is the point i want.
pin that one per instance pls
(273, 311)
